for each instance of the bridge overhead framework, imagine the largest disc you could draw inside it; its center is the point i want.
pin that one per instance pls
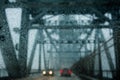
(68, 47)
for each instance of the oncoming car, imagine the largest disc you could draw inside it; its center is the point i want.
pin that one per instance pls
(48, 72)
(65, 72)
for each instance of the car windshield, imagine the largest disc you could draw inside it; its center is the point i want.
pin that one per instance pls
(59, 39)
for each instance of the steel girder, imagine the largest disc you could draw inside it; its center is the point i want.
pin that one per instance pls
(39, 68)
(90, 61)
(31, 22)
(116, 36)
(54, 45)
(51, 40)
(23, 43)
(44, 57)
(47, 3)
(7, 47)
(36, 41)
(99, 54)
(38, 17)
(73, 27)
(2, 2)
(81, 1)
(89, 33)
(32, 53)
(86, 49)
(110, 62)
(72, 6)
(112, 23)
(67, 41)
(41, 37)
(93, 58)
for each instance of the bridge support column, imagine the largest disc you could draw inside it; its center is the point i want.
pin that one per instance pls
(116, 36)
(23, 43)
(7, 47)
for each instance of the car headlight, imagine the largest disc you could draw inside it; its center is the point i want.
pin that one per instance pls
(50, 72)
(44, 72)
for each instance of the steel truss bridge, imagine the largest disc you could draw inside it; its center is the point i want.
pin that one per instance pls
(17, 67)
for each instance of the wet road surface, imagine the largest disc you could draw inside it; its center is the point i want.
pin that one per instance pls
(55, 77)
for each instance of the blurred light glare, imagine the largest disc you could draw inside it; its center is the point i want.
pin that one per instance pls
(44, 72)
(50, 72)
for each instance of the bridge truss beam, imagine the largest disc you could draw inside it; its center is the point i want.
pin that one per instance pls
(23, 43)
(7, 47)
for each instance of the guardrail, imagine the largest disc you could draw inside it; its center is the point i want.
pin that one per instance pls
(81, 67)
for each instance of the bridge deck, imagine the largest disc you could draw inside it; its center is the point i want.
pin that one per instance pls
(55, 77)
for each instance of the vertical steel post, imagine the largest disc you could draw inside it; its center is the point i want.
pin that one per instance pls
(44, 55)
(116, 36)
(40, 39)
(99, 54)
(7, 47)
(32, 54)
(23, 43)
(39, 67)
(108, 54)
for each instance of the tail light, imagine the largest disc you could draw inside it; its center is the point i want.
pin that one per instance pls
(70, 72)
(61, 71)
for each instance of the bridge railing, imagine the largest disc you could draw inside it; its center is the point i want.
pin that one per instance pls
(87, 64)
